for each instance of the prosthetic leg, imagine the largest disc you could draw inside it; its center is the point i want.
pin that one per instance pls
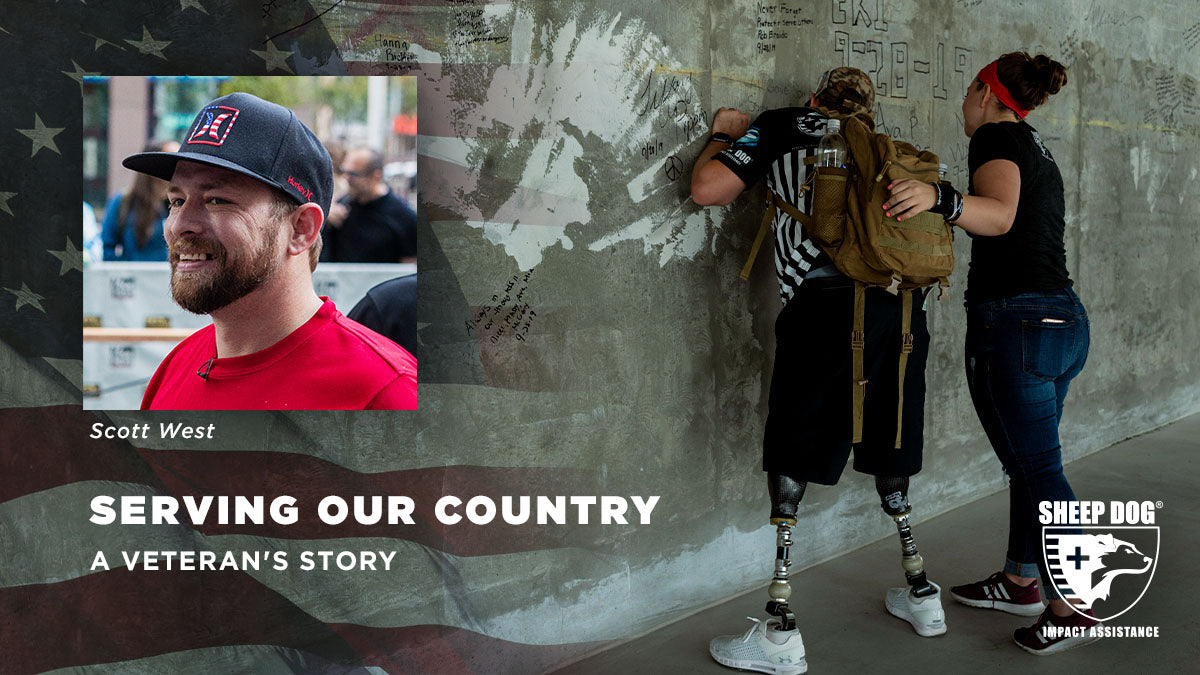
(920, 603)
(786, 494)
(775, 645)
(893, 493)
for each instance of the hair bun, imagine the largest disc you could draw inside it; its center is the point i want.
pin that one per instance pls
(1051, 74)
(1030, 79)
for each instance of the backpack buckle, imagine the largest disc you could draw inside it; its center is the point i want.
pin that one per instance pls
(858, 340)
(906, 344)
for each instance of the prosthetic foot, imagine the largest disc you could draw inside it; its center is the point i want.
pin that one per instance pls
(773, 646)
(921, 603)
(763, 648)
(786, 494)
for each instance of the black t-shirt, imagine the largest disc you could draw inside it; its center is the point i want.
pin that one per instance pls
(775, 147)
(1031, 256)
(383, 230)
(775, 133)
(390, 309)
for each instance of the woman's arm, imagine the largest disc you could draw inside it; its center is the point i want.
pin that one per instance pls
(991, 211)
(988, 213)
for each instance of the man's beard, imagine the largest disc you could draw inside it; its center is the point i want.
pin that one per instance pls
(207, 291)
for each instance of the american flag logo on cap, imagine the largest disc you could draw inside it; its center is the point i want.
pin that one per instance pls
(213, 125)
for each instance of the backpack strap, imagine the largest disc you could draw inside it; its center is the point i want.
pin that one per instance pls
(906, 347)
(773, 203)
(796, 214)
(858, 342)
(768, 216)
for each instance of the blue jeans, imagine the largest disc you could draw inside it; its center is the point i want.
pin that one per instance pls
(1022, 353)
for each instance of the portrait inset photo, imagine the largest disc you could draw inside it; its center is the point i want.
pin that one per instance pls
(250, 243)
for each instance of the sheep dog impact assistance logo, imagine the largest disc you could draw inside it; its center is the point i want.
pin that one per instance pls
(1101, 556)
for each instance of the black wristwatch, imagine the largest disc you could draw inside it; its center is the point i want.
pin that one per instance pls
(721, 137)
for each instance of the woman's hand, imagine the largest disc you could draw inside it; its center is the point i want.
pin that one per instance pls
(909, 197)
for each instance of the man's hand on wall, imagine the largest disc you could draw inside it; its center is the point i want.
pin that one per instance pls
(731, 121)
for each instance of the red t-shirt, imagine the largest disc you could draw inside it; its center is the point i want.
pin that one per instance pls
(329, 363)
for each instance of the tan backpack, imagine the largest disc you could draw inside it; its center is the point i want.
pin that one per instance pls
(872, 249)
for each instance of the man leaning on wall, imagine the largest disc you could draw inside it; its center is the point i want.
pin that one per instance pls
(808, 434)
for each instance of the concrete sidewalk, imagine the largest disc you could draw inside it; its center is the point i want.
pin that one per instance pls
(839, 604)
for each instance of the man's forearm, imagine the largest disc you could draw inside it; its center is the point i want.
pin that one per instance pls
(701, 179)
(712, 182)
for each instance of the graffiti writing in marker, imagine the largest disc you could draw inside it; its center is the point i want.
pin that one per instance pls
(508, 316)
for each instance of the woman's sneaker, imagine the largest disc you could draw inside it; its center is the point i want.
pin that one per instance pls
(997, 592)
(1053, 634)
(764, 648)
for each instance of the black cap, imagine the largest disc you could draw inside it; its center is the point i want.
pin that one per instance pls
(260, 139)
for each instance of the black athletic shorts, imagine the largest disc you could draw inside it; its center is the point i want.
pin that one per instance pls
(810, 422)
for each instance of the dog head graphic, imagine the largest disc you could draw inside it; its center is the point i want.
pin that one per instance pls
(1088, 563)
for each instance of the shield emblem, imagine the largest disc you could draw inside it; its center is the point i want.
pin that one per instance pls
(213, 125)
(1106, 569)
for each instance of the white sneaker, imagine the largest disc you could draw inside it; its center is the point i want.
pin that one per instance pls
(925, 614)
(764, 648)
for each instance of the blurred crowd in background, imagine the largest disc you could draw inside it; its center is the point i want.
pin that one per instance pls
(368, 268)
(368, 124)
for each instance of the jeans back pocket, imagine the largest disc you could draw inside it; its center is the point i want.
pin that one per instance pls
(1048, 346)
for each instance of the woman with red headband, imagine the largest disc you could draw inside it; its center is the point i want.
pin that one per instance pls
(1027, 332)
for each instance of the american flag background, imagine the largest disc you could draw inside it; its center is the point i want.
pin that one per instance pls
(524, 374)
(582, 329)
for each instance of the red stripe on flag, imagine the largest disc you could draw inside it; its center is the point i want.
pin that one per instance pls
(122, 615)
(447, 649)
(43, 448)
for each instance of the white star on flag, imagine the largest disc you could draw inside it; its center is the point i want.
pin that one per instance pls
(148, 45)
(100, 42)
(4, 197)
(275, 58)
(41, 135)
(79, 74)
(27, 297)
(70, 257)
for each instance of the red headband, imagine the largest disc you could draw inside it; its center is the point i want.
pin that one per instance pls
(988, 77)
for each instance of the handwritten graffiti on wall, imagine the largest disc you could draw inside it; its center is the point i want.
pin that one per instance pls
(948, 71)
(866, 13)
(1174, 102)
(1191, 36)
(775, 21)
(470, 26)
(509, 316)
(671, 102)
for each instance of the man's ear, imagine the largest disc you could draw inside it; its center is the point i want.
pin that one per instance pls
(306, 223)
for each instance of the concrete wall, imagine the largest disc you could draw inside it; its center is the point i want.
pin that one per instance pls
(567, 158)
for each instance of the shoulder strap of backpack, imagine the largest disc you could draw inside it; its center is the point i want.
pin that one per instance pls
(773, 203)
